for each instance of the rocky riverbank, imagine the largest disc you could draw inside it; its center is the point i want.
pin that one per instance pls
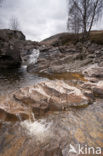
(65, 109)
(71, 58)
(13, 47)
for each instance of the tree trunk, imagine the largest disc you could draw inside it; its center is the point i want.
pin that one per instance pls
(95, 6)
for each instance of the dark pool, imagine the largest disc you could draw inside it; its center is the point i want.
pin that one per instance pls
(13, 79)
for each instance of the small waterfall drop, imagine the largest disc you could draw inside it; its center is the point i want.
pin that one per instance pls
(34, 56)
(41, 129)
(30, 57)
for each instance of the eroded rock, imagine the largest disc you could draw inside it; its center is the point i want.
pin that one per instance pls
(98, 89)
(45, 96)
(11, 58)
(94, 71)
(51, 95)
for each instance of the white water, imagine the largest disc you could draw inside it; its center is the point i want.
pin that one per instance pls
(30, 58)
(34, 56)
(40, 129)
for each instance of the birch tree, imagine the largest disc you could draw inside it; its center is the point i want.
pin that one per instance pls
(86, 12)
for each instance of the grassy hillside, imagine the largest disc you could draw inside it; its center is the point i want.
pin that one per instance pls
(68, 38)
(58, 39)
(97, 37)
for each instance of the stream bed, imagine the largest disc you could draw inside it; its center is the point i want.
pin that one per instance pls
(52, 134)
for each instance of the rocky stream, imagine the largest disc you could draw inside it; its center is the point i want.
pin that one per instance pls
(53, 102)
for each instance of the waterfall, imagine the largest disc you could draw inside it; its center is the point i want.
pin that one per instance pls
(34, 56)
(30, 58)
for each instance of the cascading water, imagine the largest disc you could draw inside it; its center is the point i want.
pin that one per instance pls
(41, 129)
(12, 79)
(34, 56)
(30, 58)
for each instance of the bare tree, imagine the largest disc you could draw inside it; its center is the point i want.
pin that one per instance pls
(14, 23)
(86, 12)
(73, 24)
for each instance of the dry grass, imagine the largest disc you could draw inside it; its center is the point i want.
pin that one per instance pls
(68, 38)
(60, 39)
(96, 37)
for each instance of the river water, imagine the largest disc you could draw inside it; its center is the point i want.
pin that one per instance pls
(14, 79)
(57, 129)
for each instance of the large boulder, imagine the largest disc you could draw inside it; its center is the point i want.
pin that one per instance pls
(13, 47)
(9, 48)
(7, 35)
(43, 97)
(52, 95)
(10, 57)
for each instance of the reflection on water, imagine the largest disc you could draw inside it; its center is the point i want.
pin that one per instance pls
(12, 79)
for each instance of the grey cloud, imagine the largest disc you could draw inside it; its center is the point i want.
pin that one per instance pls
(38, 19)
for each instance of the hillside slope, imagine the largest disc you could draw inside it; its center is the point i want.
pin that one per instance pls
(67, 38)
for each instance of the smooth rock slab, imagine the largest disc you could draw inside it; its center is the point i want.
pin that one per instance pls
(43, 97)
(51, 96)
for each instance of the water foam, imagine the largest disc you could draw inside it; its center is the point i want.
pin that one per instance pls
(34, 56)
(40, 129)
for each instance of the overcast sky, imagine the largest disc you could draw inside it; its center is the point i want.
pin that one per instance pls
(38, 19)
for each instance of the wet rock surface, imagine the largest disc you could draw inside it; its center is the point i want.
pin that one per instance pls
(98, 89)
(68, 58)
(55, 60)
(64, 109)
(52, 96)
(45, 96)
(9, 50)
(53, 134)
(63, 116)
(95, 71)
(11, 58)
(13, 47)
